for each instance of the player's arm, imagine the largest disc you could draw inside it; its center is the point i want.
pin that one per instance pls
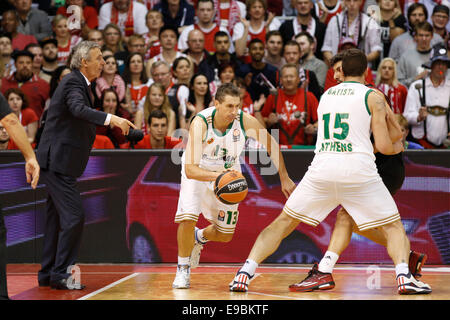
(254, 129)
(379, 125)
(193, 152)
(20, 138)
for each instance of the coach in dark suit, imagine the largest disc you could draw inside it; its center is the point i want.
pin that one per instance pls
(63, 154)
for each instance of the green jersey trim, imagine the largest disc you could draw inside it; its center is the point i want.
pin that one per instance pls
(366, 98)
(241, 121)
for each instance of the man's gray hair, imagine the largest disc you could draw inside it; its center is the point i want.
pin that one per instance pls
(157, 64)
(81, 51)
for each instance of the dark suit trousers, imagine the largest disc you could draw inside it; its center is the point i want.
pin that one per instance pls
(63, 226)
(3, 283)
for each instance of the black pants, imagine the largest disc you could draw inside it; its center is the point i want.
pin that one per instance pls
(3, 283)
(63, 226)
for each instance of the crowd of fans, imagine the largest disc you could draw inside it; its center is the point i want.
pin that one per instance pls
(166, 58)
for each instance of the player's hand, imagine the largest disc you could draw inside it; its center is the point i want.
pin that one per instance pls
(287, 186)
(32, 171)
(122, 123)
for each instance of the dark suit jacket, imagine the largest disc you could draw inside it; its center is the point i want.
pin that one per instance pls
(70, 128)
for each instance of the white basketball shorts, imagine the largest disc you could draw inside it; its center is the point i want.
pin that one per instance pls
(198, 197)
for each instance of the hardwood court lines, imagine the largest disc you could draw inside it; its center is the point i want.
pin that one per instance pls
(211, 283)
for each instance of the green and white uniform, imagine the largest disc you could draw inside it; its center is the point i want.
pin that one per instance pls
(343, 171)
(220, 151)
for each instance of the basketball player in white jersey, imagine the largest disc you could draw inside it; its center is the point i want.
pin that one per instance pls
(343, 172)
(216, 139)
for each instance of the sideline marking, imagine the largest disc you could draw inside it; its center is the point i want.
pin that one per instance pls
(109, 286)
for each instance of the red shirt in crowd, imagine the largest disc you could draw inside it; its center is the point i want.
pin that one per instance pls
(36, 89)
(102, 142)
(291, 111)
(169, 143)
(89, 13)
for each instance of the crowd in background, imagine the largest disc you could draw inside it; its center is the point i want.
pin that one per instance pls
(166, 58)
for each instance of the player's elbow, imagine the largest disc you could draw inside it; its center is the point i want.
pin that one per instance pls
(189, 171)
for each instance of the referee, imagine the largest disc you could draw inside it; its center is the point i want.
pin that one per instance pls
(11, 123)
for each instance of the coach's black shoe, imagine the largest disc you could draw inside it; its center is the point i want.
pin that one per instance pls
(63, 284)
(44, 282)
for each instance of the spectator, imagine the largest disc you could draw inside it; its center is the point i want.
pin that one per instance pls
(308, 60)
(417, 13)
(410, 64)
(336, 63)
(255, 25)
(110, 103)
(32, 21)
(206, 24)
(352, 23)
(18, 103)
(182, 70)
(128, 15)
(136, 43)
(38, 59)
(10, 22)
(387, 82)
(259, 77)
(156, 99)
(96, 36)
(176, 13)
(222, 44)
(66, 41)
(427, 103)
(154, 22)
(200, 97)
(274, 49)
(35, 88)
(404, 125)
(6, 5)
(324, 10)
(158, 136)
(228, 13)
(308, 79)
(5, 141)
(197, 54)
(179, 92)
(393, 23)
(440, 20)
(160, 72)
(110, 78)
(113, 41)
(137, 84)
(50, 57)
(168, 36)
(292, 110)
(304, 22)
(6, 55)
(87, 15)
(247, 102)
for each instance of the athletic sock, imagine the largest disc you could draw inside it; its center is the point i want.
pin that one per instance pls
(401, 268)
(200, 237)
(328, 261)
(184, 261)
(249, 267)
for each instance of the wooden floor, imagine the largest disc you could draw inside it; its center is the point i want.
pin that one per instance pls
(210, 282)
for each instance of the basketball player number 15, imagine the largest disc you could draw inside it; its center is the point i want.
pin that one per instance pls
(338, 124)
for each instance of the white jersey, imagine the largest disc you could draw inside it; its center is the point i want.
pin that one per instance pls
(344, 120)
(220, 151)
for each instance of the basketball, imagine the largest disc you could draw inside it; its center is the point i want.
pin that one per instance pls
(231, 187)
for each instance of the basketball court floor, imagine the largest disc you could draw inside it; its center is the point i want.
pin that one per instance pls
(210, 282)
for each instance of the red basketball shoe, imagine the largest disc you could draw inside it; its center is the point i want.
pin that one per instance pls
(416, 261)
(315, 280)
